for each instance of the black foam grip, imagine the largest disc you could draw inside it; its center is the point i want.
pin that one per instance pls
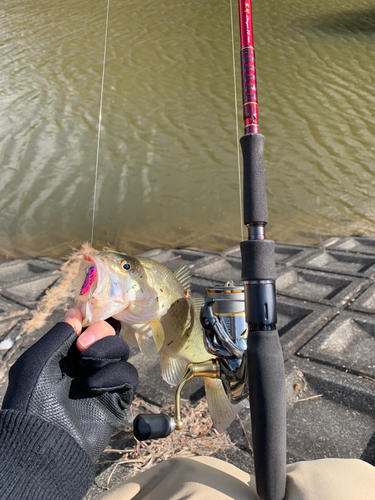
(268, 412)
(254, 188)
(258, 260)
(148, 426)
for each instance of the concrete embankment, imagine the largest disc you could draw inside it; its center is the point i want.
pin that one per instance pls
(326, 321)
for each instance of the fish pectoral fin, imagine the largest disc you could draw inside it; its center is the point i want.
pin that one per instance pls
(221, 410)
(147, 345)
(129, 336)
(172, 369)
(158, 333)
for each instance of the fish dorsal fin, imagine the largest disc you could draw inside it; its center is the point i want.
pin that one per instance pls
(183, 276)
(146, 344)
(198, 303)
(172, 369)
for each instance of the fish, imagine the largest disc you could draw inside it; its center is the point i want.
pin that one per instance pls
(157, 315)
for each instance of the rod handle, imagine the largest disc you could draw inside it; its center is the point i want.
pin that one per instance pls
(148, 426)
(254, 188)
(268, 412)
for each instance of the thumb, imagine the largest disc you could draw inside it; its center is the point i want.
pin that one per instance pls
(93, 333)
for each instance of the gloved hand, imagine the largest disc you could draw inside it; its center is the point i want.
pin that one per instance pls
(86, 393)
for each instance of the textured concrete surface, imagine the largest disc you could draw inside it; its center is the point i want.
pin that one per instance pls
(326, 322)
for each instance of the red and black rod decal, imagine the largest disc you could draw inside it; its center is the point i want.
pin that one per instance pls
(249, 79)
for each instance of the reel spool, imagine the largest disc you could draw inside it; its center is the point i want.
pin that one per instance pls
(225, 337)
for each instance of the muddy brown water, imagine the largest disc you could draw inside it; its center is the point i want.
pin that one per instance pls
(168, 158)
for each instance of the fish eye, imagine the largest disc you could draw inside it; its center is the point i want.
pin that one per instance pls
(125, 265)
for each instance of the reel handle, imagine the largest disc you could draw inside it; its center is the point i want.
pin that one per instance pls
(148, 426)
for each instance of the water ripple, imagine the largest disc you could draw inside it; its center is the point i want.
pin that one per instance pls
(168, 161)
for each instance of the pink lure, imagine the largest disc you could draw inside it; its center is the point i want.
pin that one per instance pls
(89, 280)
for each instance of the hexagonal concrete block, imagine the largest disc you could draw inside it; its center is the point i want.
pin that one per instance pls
(331, 413)
(174, 259)
(347, 342)
(289, 254)
(9, 309)
(16, 270)
(29, 292)
(221, 269)
(365, 302)
(357, 244)
(298, 321)
(351, 264)
(325, 288)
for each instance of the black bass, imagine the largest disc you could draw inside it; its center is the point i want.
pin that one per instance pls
(156, 313)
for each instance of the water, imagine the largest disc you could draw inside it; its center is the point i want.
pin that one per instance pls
(168, 160)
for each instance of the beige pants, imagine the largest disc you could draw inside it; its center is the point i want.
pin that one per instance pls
(211, 479)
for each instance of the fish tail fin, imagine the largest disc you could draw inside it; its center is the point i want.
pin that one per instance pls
(222, 411)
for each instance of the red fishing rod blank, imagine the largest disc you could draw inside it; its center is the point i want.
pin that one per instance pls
(249, 79)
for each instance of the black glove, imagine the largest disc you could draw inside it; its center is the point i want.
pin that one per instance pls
(84, 394)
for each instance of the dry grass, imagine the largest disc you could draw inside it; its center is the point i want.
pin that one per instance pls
(197, 438)
(61, 295)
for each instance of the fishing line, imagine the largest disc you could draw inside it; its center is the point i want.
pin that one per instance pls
(99, 127)
(236, 114)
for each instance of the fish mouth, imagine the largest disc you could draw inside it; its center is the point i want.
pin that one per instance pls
(99, 296)
(88, 278)
(91, 279)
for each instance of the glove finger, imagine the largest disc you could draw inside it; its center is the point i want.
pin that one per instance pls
(25, 372)
(110, 378)
(115, 324)
(105, 351)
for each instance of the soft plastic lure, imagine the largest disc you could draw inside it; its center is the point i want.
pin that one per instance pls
(89, 280)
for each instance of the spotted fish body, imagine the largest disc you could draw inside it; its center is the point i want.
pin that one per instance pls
(156, 313)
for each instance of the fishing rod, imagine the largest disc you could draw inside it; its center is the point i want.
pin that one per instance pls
(266, 375)
(247, 357)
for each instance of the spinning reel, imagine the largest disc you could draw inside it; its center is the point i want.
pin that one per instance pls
(225, 337)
